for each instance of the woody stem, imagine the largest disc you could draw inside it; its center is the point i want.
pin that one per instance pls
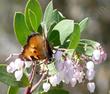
(28, 90)
(38, 83)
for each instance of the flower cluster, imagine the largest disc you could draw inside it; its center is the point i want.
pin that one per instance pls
(72, 71)
(17, 67)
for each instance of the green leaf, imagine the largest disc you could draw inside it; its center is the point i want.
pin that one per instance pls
(54, 38)
(52, 69)
(52, 16)
(48, 13)
(83, 24)
(55, 18)
(33, 20)
(56, 91)
(80, 49)
(13, 90)
(88, 42)
(20, 28)
(87, 47)
(10, 80)
(36, 13)
(75, 37)
(89, 50)
(60, 32)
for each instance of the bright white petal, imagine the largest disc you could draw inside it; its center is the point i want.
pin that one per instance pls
(90, 74)
(18, 75)
(11, 67)
(19, 64)
(96, 54)
(91, 87)
(46, 87)
(90, 65)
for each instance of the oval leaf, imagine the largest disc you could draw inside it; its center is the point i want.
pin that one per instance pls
(34, 6)
(51, 16)
(10, 80)
(87, 47)
(88, 42)
(54, 38)
(83, 24)
(75, 37)
(48, 13)
(64, 28)
(20, 28)
(55, 18)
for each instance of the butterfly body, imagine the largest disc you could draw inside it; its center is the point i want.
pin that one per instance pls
(37, 48)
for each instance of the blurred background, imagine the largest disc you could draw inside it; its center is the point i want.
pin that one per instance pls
(98, 29)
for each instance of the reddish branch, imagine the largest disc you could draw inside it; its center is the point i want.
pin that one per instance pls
(38, 83)
(31, 78)
(31, 88)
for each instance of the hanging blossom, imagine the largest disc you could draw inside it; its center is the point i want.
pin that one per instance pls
(72, 71)
(17, 68)
(69, 71)
(90, 74)
(99, 55)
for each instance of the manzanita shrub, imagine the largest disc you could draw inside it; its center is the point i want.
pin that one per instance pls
(72, 61)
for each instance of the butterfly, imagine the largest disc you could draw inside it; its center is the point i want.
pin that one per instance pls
(37, 48)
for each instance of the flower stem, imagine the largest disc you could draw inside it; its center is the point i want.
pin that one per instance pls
(28, 89)
(37, 84)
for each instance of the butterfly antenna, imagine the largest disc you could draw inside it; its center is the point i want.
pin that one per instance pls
(10, 56)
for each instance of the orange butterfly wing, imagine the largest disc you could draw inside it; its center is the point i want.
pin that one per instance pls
(37, 48)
